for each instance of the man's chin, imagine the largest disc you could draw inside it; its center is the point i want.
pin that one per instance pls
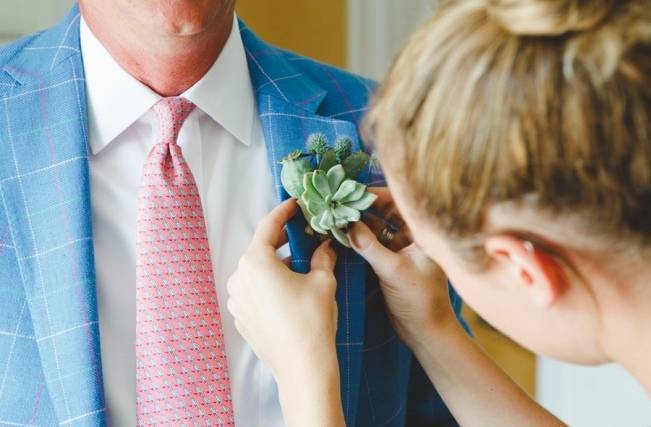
(188, 18)
(185, 29)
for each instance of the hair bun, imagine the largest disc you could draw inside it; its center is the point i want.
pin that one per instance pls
(548, 17)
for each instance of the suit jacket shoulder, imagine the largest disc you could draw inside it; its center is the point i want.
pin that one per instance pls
(7, 53)
(348, 94)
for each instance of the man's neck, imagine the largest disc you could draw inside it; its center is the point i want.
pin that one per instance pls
(168, 64)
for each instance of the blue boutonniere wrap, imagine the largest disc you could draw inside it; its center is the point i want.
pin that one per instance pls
(324, 183)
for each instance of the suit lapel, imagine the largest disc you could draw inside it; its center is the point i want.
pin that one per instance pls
(48, 204)
(287, 102)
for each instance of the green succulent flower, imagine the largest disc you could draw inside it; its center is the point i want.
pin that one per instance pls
(291, 175)
(330, 201)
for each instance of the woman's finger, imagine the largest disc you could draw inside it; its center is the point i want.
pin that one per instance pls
(283, 240)
(401, 236)
(384, 198)
(237, 294)
(324, 258)
(385, 215)
(384, 261)
(287, 261)
(271, 230)
(385, 205)
(243, 331)
(232, 287)
(231, 306)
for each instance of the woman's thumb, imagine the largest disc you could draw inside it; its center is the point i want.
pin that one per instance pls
(365, 243)
(324, 258)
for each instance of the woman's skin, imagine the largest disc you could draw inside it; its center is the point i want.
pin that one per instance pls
(300, 328)
(524, 291)
(299, 346)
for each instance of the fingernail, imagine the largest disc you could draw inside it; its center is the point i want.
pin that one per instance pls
(359, 238)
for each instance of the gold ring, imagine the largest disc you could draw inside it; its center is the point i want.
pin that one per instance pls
(386, 236)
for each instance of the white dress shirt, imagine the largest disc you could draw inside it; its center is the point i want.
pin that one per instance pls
(223, 144)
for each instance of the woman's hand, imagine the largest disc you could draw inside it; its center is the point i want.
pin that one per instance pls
(414, 287)
(416, 293)
(290, 321)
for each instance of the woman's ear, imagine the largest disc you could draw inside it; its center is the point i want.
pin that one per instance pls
(533, 269)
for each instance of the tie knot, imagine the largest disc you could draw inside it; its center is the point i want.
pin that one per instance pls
(171, 113)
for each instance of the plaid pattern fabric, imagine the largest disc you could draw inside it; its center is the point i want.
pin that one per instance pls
(50, 367)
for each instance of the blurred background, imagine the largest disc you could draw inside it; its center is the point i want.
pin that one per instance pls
(363, 36)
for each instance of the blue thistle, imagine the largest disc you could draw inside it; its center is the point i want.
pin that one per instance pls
(317, 143)
(343, 148)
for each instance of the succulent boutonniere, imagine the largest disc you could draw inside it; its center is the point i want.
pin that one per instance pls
(324, 183)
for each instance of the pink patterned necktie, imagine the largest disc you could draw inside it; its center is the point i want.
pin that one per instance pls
(181, 367)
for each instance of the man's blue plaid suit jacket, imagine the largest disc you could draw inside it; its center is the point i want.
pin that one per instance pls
(50, 367)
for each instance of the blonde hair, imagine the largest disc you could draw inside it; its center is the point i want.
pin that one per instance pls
(510, 100)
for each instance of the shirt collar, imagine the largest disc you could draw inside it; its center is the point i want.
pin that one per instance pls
(116, 99)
